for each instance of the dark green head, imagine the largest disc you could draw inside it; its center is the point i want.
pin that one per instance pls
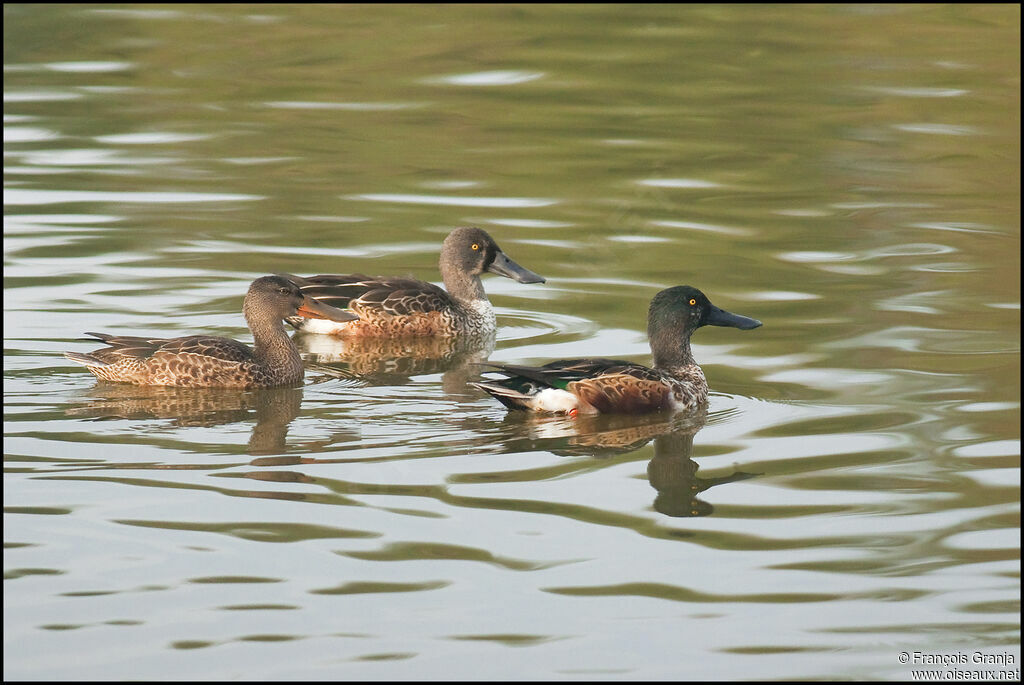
(683, 309)
(472, 251)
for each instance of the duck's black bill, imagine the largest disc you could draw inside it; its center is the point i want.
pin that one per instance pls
(503, 266)
(720, 317)
(314, 309)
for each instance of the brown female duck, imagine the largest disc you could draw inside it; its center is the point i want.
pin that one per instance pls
(397, 307)
(208, 361)
(591, 386)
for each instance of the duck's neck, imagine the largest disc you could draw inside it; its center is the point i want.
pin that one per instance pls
(671, 351)
(273, 349)
(462, 286)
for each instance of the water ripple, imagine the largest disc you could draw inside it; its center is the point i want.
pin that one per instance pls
(696, 226)
(350, 106)
(40, 95)
(938, 129)
(28, 134)
(524, 223)
(19, 196)
(496, 202)
(151, 138)
(90, 67)
(86, 157)
(911, 92)
(959, 226)
(678, 183)
(488, 78)
(521, 325)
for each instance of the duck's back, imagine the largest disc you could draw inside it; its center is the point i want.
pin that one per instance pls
(189, 361)
(386, 306)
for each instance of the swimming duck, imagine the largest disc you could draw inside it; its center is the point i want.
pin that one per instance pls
(396, 306)
(591, 386)
(209, 361)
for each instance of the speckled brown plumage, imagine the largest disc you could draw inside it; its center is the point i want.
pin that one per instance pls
(622, 393)
(397, 307)
(193, 361)
(208, 361)
(589, 386)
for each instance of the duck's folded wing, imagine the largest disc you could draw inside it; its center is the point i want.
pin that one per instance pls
(207, 346)
(128, 346)
(336, 290)
(558, 374)
(594, 367)
(393, 296)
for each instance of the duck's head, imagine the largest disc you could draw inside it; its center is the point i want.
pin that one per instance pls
(472, 251)
(277, 297)
(684, 309)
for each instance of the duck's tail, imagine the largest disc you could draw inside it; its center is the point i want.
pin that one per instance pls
(86, 359)
(551, 400)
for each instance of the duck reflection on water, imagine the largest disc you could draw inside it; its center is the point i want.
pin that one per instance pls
(394, 361)
(272, 408)
(672, 470)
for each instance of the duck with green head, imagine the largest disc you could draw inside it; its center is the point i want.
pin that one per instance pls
(593, 386)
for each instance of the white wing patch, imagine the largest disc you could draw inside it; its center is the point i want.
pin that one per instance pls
(554, 400)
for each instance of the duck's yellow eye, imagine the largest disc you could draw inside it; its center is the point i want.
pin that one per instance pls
(692, 301)
(475, 246)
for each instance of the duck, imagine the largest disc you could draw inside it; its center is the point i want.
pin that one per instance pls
(614, 386)
(406, 307)
(205, 361)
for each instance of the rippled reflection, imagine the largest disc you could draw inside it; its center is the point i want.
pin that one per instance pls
(393, 361)
(273, 409)
(672, 471)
